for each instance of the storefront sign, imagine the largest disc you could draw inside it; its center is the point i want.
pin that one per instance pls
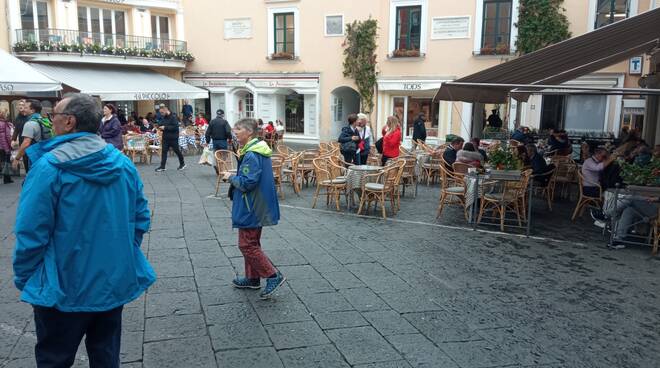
(140, 96)
(238, 28)
(412, 86)
(6, 87)
(447, 28)
(636, 65)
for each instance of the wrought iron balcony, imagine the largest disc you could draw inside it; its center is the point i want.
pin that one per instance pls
(74, 41)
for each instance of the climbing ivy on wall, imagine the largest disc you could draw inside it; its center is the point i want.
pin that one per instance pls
(360, 59)
(540, 24)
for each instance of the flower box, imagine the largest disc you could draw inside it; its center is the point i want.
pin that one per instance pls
(405, 53)
(282, 56)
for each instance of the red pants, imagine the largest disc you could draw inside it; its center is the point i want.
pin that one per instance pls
(257, 265)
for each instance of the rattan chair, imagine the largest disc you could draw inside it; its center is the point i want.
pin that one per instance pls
(461, 167)
(381, 186)
(585, 200)
(278, 165)
(409, 176)
(510, 199)
(452, 191)
(155, 147)
(136, 145)
(226, 161)
(333, 187)
(431, 169)
(290, 172)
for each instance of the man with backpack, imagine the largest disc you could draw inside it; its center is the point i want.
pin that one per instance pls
(35, 130)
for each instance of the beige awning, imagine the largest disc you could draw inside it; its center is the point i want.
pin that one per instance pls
(560, 62)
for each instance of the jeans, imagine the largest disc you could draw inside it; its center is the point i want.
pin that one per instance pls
(174, 144)
(5, 158)
(633, 211)
(349, 157)
(257, 265)
(219, 145)
(59, 335)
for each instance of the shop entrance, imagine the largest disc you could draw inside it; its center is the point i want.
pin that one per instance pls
(294, 116)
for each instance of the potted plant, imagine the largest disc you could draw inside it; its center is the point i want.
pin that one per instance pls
(642, 175)
(502, 49)
(503, 160)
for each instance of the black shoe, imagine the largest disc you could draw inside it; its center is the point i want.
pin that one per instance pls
(181, 167)
(160, 169)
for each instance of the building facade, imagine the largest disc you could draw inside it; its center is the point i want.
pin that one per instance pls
(282, 59)
(128, 52)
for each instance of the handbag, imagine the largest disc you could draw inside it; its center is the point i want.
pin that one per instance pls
(379, 145)
(349, 147)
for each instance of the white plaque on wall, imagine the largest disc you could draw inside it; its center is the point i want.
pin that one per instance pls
(238, 28)
(447, 28)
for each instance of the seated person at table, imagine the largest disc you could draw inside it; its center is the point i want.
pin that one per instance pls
(593, 168)
(476, 142)
(269, 129)
(468, 155)
(559, 143)
(539, 166)
(451, 152)
(521, 152)
(632, 212)
(130, 127)
(200, 121)
(522, 135)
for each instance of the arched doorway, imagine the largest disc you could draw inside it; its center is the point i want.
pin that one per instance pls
(344, 101)
(243, 104)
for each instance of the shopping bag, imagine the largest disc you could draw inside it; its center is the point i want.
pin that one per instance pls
(204, 158)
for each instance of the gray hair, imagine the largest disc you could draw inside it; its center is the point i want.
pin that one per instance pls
(361, 116)
(248, 124)
(86, 109)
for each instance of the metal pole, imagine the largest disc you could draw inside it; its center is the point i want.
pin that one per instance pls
(614, 220)
(529, 206)
(474, 204)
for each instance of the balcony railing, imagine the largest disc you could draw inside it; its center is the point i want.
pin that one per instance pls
(74, 41)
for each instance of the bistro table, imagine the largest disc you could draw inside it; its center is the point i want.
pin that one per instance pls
(356, 176)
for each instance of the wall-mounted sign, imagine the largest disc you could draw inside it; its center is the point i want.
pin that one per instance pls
(238, 28)
(151, 96)
(6, 87)
(447, 28)
(412, 86)
(636, 65)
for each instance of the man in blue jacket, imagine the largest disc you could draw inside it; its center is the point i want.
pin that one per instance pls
(79, 227)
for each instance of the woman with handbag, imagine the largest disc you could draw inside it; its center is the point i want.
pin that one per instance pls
(254, 206)
(6, 129)
(349, 140)
(391, 139)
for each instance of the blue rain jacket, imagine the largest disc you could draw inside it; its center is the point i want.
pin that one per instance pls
(255, 201)
(79, 227)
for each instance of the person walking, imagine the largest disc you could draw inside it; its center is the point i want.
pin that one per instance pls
(219, 131)
(170, 127)
(391, 139)
(111, 127)
(419, 130)
(254, 206)
(36, 129)
(6, 129)
(79, 226)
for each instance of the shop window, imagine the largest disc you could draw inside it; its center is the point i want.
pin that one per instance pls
(284, 35)
(496, 28)
(295, 113)
(408, 28)
(611, 11)
(408, 108)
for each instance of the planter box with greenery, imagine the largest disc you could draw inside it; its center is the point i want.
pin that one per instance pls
(401, 53)
(282, 56)
(642, 175)
(500, 49)
(95, 49)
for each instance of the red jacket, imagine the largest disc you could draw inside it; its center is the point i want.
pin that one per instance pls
(391, 143)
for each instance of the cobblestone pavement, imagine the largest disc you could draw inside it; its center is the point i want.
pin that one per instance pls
(363, 292)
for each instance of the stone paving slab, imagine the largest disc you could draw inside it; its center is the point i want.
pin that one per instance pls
(366, 293)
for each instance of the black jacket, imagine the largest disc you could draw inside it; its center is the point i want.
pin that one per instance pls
(347, 133)
(419, 130)
(218, 130)
(170, 126)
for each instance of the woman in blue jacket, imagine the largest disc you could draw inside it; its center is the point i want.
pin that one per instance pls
(254, 206)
